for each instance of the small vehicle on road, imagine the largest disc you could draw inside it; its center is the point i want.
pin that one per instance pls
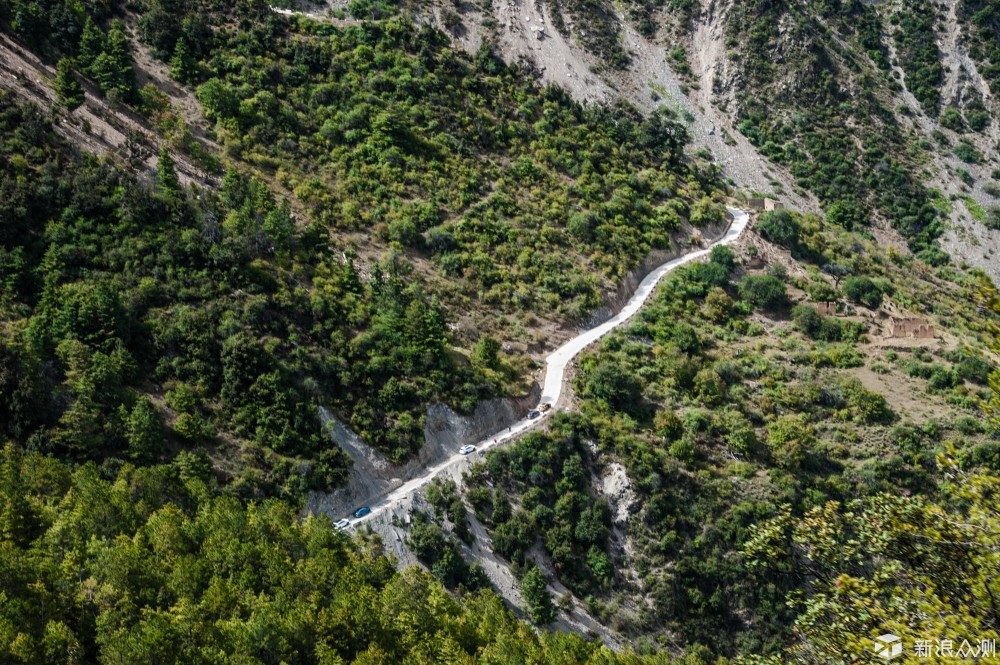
(342, 523)
(534, 413)
(361, 512)
(544, 406)
(465, 450)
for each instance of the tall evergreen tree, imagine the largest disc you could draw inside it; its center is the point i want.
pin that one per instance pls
(183, 65)
(166, 174)
(143, 430)
(537, 596)
(69, 91)
(91, 44)
(112, 69)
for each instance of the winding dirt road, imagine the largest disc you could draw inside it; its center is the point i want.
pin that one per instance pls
(555, 371)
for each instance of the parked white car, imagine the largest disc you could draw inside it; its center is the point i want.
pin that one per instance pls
(342, 523)
(465, 450)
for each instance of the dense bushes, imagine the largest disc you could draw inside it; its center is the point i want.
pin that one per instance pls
(832, 134)
(862, 553)
(738, 413)
(145, 565)
(147, 291)
(597, 29)
(442, 555)
(983, 17)
(779, 227)
(864, 291)
(517, 195)
(763, 291)
(550, 475)
(614, 385)
(918, 53)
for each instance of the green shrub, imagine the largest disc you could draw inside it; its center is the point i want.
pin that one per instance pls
(845, 213)
(737, 432)
(763, 291)
(822, 292)
(613, 384)
(968, 152)
(790, 438)
(780, 227)
(866, 405)
(968, 425)
(863, 291)
(807, 319)
(952, 119)
(978, 119)
(992, 220)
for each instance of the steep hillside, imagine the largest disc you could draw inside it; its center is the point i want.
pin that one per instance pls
(730, 400)
(259, 262)
(878, 110)
(377, 242)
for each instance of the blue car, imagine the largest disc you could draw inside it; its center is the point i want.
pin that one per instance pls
(361, 512)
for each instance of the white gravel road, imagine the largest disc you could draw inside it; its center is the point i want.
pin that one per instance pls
(555, 371)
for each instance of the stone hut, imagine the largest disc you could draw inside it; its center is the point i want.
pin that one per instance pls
(752, 259)
(910, 327)
(765, 204)
(827, 308)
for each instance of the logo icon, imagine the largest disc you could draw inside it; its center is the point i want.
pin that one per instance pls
(888, 646)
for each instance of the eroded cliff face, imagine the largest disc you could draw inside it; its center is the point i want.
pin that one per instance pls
(445, 431)
(554, 43)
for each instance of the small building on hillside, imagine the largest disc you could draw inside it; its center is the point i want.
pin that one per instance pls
(910, 327)
(766, 204)
(827, 308)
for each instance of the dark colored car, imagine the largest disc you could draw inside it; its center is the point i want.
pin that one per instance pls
(361, 512)
(534, 414)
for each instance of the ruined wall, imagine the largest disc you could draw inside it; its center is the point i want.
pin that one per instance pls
(827, 308)
(917, 328)
(765, 204)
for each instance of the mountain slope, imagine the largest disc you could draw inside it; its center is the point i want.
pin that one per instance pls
(874, 106)
(349, 216)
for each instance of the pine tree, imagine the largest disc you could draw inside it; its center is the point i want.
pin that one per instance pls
(166, 174)
(279, 226)
(352, 281)
(487, 352)
(435, 328)
(69, 91)
(537, 596)
(144, 431)
(91, 44)
(183, 66)
(112, 69)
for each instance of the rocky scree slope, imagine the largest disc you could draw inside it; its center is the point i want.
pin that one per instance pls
(883, 112)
